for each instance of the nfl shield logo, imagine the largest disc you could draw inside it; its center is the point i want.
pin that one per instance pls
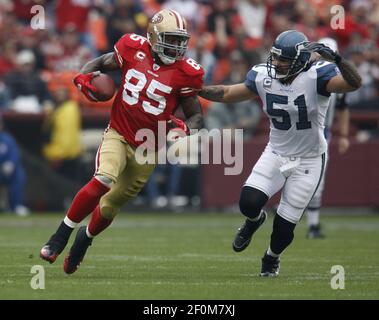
(155, 67)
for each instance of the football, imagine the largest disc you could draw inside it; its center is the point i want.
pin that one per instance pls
(105, 86)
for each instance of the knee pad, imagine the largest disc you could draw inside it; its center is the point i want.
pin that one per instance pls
(252, 201)
(108, 209)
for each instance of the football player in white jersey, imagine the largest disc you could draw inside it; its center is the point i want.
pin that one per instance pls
(336, 103)
(295, 92)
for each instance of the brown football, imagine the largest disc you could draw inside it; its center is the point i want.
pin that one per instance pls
(105, 86)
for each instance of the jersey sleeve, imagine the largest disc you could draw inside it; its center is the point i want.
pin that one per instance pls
(250, 81)
(195, 83)
(324, 74)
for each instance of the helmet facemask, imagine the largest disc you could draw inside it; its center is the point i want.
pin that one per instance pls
(171, 46)
(295, 64)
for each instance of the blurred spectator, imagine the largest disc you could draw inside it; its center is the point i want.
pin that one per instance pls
(202, 53)
(126, 17)
(187, 8)
(309, 23)
(22, 9)
(75, 15)
(370, 77)
(356, 25)
(163, 185)
(27, 90)
(64, 52)
(244, 115)
(63, 125)
(12, 175)
(7, 57)
(72, 14)
(253, 17)
(220, 24)
(29, 41)
(4, 96)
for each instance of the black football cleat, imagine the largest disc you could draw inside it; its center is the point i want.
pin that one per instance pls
(314, 232)
(77, 251)
(246, 231)
(270, 266)
(53, 248)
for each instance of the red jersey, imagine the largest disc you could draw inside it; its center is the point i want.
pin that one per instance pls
(149, 92)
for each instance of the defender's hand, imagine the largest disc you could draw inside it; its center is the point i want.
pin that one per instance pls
(83, 83)
(325, 52)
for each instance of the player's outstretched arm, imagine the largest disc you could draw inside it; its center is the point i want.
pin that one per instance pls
(106, 62)
(234, 93)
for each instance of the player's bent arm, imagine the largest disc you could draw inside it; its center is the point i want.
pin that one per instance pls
(348, 80)
(192, 111)
(234, 93)
(106, 62)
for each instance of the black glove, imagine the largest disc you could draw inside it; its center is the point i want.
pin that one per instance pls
(324, 51)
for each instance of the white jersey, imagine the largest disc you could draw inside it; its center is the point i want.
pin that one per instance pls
(297, 110)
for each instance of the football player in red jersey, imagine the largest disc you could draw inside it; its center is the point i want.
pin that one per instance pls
(156, 78)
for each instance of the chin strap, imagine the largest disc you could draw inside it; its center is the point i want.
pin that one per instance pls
(166, 60)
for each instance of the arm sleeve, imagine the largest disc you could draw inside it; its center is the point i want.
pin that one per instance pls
(324, 74)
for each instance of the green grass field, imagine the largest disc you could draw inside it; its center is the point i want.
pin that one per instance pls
(189, 256)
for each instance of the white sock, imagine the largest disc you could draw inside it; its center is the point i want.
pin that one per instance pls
(272, 254)
(313, 217)
(69, 222)
(257, 218)
(88, 234)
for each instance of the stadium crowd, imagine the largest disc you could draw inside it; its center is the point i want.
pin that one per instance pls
(225, 35)
(227, 38)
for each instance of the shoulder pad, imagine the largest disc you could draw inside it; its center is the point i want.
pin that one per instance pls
(191, 67)
(260, 68)
(133, 40)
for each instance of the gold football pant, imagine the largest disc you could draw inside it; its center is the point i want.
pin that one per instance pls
(115, 160)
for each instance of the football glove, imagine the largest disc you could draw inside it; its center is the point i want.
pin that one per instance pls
(179, 127)
(324, 51)
(83, 83)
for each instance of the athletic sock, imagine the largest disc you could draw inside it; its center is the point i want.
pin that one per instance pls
(313, 217)
(86, 200)
(64, 231)
(282, 234)
(97, 223)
